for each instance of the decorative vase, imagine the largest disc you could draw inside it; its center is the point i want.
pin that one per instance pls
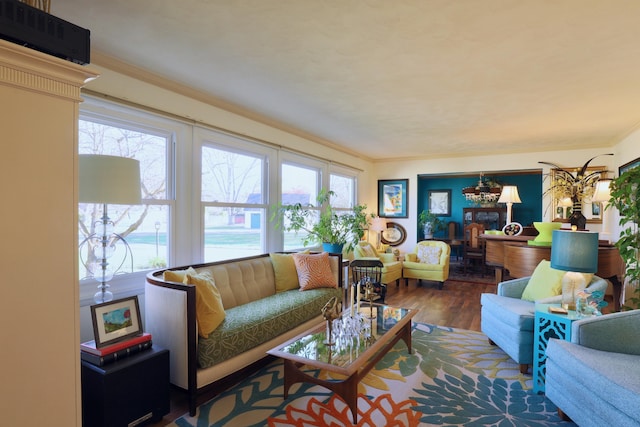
(428, 231)
(332, 248)
(576, 217)
(545, 232)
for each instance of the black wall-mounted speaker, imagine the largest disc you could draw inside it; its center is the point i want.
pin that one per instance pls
(35, 29)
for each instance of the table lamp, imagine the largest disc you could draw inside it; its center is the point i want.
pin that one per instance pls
(378, 224)
(574, 252)
(602, 194)
(106, 180)
(509, 196)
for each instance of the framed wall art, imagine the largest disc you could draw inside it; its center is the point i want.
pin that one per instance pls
(393, 198)
(440, 202)
(630, 165)
(116, 320)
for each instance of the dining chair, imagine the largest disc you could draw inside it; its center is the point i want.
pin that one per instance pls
(473, 246)
(454, 240)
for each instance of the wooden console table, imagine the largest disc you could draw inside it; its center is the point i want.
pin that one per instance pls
(514, 254)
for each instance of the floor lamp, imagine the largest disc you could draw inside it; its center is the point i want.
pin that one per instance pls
(574, 252)
(106, 180)
(509, 196)
(602, 195)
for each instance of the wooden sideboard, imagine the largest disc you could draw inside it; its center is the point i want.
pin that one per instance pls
(515, 255)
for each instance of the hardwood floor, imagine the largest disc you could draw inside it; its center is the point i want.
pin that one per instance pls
(456, 305)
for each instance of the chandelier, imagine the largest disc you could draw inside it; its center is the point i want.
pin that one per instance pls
(482, 194)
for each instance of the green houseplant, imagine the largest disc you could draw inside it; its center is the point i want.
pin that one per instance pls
(332, 227)
(430, 223)
(624, 197)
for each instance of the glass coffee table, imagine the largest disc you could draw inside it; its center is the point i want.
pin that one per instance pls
(351, 354)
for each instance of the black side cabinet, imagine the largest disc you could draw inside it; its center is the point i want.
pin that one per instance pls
(128, 392)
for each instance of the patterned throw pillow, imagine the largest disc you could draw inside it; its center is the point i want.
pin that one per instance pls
(429, 254)
(284, 270)
(314, 271)
(209, 309)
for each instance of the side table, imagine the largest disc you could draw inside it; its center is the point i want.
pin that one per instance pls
(128, 392)
(548, 325)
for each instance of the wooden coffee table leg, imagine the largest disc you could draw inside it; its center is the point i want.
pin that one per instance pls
(405, 334)
(348, 390)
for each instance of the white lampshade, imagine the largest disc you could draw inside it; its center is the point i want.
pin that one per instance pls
(109, 180)
(566, 202)
(378, 224)
(602, 192)
(509, 195)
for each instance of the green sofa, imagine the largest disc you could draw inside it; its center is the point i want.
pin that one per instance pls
(257, 318)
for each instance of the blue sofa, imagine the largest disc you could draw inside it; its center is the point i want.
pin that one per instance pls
(595, 378)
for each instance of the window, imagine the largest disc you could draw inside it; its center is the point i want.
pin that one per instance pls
(234, 197)
(300, 184)
(344, 187)
(107, 129)
(207, 195)
(144, 227)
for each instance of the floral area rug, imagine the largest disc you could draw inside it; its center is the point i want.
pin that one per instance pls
(453, 378)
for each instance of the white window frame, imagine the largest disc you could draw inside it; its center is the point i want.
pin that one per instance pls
(205, 137)
(185, 236)
(178, 143)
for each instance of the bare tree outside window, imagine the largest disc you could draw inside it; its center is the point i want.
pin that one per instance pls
(137, 224)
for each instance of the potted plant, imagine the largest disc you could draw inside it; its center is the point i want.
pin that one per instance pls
(343, 230)
(624, 197)
(430, 224)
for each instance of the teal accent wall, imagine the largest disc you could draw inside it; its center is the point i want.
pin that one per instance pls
(529, 189)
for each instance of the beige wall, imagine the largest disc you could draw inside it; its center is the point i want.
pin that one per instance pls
(40, 373)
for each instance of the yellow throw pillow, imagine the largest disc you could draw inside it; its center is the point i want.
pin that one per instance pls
(429, 254)
(209, 308)
(285, 272)
(367, 250)
(177, 275)
(314, 271)
(544, 282)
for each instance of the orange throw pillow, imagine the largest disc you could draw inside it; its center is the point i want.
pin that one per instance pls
(314, 271)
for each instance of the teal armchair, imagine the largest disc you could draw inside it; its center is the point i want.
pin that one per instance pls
(508, 320)
(595, 378)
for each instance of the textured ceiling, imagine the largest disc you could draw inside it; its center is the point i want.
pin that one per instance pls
(394, 79)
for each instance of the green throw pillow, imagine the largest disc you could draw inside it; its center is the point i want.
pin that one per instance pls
(544, 282)
(285, 271)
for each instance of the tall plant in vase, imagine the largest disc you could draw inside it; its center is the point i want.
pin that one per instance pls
(624, 197)
(576, 186)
